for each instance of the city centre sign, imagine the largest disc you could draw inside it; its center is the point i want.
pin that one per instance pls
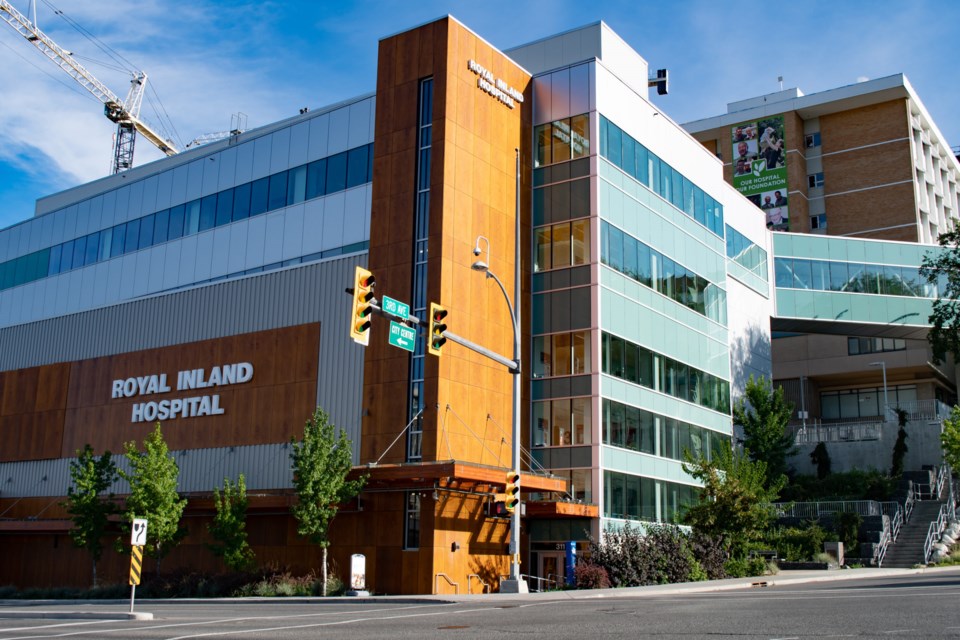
(496, 87)
(188, 379)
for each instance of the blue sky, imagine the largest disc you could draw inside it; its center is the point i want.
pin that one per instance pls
(208, 59)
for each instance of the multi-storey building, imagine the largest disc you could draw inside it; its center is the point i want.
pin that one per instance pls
(866, 162)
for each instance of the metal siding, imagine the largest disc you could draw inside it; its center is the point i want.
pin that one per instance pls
(293, 296)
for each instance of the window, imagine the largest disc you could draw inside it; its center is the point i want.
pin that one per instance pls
(812, 140)
(562, 245)
(815, 180)
(818, 221)
(860, 346)
(561, 354)
(562, 423)
(562, 140)
(411, 519)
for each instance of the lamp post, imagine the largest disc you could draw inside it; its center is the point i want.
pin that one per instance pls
(514, 584)
(886, 402)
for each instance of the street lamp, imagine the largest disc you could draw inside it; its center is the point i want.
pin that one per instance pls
(514, 584)
(886, 402)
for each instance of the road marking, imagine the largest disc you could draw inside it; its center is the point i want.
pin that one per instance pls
(127, 628)
(61, 624)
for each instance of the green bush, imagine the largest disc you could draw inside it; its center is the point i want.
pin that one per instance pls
(797, 544)
(847, 526)
(658, 554)
(848, 485)
(746, 567)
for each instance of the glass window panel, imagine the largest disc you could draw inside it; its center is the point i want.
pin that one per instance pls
(119, 234)
(191, 224)
(66, 257)
(580, 136)
(259, 196)
(802, 274)
(630, 355)
(541, 423)
(278, 191)
(93, 248)
(562, 354)
(132, 239)
(644, 273)
(560, 423)
(629, 159)
(561, 245)
(830, 406)
(849, 405)
(630, 256)
(560, 133)
(614, 144)
(357, 167)
(891, 283)
(869, 403)
(688, 198)
(604, 243)
(682, 379)
(54, 263)
(643, 169)
(161, 226)
(224, 208)
(581, 421)
(631, 425)
(699, 211)
(336, 173)
(543, 250)
(655, 178)
(542, 136)
(79, 251)
(647, 428)
(616, 249)
(676, 190)
(542, 357)
(581, 352)
(616, 356)
(316, 178)
(666, 181)
(819, 275)
(604, 132)
(645, 368)
(146, 231)
(667, 277)
(106, 243)
(616, 424)
(208, 212)
(838, 276)
(241, 201)
(580, 239)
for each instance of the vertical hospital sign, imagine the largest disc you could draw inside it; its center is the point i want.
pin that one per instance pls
(760, 167)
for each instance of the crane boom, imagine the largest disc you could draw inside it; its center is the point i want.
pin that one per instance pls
(124, 113)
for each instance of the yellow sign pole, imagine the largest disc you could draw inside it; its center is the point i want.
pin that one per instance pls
(136, 561)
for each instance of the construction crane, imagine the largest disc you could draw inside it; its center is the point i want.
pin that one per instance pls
(125, 113)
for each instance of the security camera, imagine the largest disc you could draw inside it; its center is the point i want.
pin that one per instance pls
(476, 250)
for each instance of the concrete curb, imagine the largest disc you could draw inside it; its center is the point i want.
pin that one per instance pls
(75, 615)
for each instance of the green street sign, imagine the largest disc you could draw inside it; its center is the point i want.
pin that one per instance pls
(395, 308)
(402, 336)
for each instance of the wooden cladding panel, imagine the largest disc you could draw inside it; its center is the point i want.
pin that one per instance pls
(32, 403)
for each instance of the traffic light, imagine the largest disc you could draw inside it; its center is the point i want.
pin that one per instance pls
(363, 283)
(513, 490)
(437, 327)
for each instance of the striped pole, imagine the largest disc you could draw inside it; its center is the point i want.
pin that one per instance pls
(136, 562)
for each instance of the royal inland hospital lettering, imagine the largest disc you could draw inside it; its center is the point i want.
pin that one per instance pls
(496, 87)
(192, 407)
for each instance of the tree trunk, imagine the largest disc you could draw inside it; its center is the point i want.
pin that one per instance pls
(158, 560)
(323, 573)
(94, 574)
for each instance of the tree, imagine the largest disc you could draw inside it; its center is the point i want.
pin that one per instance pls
(321, 462)
(229, 526)
(941, 269)
(821, 457)
(763, 414)
(900, 446)
(734, 503)
(153, 495)
(950, 439)
(88, 509)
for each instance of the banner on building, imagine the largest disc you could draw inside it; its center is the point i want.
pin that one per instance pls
(760, 167)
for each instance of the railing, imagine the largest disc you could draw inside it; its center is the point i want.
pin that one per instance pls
(936, 528)
(908, 504)
(540, 582)
(842, 432)
(922, 409)
(941, 477)
(484, 589)
(436, 583)
(894, 511)
(881, 551)
(810, 510)
(558, 580)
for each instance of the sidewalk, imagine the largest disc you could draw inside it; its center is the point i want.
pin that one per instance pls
(117, 609)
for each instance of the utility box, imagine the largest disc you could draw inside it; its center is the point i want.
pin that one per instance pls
(834, 549)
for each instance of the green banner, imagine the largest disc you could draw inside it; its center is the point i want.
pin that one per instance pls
(760, 167)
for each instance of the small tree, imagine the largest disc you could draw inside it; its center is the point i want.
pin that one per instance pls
(88, 509)
(735, 501)
(764, 414)
(900, 446)
(229, 526)
(153, 495)
(950, 439)
(942, 270)
(321, 463)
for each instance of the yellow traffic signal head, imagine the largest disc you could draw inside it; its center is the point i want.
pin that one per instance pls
(513, 490)
(363, 284)
(436, 338)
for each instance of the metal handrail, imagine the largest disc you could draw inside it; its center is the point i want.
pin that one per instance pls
(539, 581)
(936, 528)
(817, 509)
(881, 552)
(941, 476)
(558, 579)
(436, 583)
(908, 504)
(486, 587)
(895, 512)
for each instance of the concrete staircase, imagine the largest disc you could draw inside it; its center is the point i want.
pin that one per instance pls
(907, 551)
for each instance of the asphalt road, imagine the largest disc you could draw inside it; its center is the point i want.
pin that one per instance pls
(908, 606)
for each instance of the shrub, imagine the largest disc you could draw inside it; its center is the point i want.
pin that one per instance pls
(591, 576)
(710, 555)
(746, 567)
(633, 557)
(796, 544)
(847, 526)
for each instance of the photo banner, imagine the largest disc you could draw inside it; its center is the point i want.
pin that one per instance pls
(760, 167)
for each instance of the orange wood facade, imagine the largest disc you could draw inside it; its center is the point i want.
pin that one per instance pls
(54, 410)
